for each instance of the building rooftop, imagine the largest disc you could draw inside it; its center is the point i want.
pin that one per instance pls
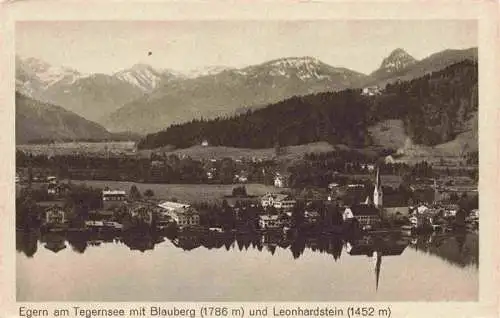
(49, 204)
(171, 206)
(364, 209)
(267, 217)
(113, 192)
(277, 196)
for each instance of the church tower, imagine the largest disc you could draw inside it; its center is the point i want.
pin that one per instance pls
(377, 192)
(436, 192)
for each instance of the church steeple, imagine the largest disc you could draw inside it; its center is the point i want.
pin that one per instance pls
(377, 192)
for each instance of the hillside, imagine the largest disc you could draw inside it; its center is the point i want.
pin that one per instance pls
(92, 97)
(391, 134)
(42, 121)
(435, 109)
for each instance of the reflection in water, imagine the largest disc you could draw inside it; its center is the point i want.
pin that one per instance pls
(27, 242)
(377, 247)
(54, 242)
(244, 266)
(460, 249)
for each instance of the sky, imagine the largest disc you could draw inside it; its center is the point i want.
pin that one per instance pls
(110, 46)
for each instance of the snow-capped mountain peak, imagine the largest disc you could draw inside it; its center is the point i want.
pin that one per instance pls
(296, 62)
(206, 71)
(305, 68)
(45, 73)
(397, 60)
(143, 76)
(34, 75)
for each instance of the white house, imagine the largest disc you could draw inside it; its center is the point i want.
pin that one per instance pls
(368, 166)
(57, 189)
(114, 195)
(183, 214)
(365, 214)
(333, 186)
(279, 181)
(241, 178)
(474, 214)
(422, 209)
(112, 198)
(371, 91)
(278, 201)
(389, 160)
(52, 179)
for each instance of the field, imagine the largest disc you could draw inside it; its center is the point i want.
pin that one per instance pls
(219, 152)
(195, 152)
(190, 193)
(85, 148)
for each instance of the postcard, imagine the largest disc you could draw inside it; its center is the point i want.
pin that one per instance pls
(255, 160)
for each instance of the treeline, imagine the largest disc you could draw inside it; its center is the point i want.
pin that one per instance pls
(114, 137)
(156, 169)
(434, 108)
(336, 118)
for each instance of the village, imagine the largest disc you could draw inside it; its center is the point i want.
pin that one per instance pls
(348, 209)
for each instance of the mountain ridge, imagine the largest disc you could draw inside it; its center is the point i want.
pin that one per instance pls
(142, 99)
(225, 92)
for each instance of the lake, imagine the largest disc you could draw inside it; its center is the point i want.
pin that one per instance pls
(245, 267)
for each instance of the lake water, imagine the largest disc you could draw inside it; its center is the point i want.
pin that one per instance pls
(238, 267)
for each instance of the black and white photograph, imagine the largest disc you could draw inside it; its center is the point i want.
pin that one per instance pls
(237, 160)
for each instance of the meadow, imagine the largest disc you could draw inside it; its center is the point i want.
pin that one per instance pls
(188, 193)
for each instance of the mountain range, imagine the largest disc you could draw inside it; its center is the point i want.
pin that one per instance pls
(226, 92)
(143, 100)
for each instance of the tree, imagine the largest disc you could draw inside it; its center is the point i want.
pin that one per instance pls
(240, 191)
(227, 170)
(149, 193)
(134, 193)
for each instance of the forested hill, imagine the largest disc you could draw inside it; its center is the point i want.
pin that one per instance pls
(434, 108)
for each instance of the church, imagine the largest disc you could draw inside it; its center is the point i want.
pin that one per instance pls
(367, 213)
